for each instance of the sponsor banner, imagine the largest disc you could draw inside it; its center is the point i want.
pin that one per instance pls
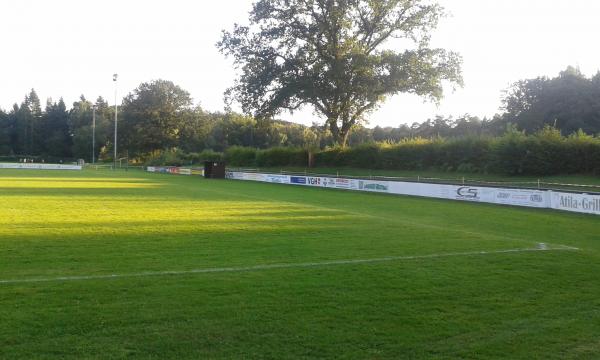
(314, 181)
(372, 185)
(583, 203)
(341, 183)
(278, 179)
(522, 197)
(234, 175)
(172, 170)
(470, 193)
(33, 166)
(298, 180)
(321, 181)
(255, 177)
(518, 197)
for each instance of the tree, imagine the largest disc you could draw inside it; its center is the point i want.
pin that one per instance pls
(153, 117)
(28, 135)
(5, 133)
(80, 122)
(195, 130)
(55, 126)
(569, 102)
(331, 55)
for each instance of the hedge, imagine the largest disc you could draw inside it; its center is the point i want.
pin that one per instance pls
(544, 153)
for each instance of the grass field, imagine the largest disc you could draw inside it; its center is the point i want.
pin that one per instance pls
(226, 269)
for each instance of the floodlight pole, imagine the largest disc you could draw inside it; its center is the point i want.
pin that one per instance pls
(115, 147)
(93, 134)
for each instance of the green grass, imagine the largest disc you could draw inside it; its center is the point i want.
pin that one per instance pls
(542, 304)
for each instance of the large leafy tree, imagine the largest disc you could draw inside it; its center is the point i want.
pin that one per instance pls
(154, 115)
(81, 118)
(569, 102)
(333, 55)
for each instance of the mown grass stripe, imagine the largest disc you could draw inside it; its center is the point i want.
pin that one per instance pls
(285, 266)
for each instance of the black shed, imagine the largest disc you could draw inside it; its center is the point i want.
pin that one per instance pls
(214, 170)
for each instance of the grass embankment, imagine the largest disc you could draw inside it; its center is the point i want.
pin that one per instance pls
(539, 304)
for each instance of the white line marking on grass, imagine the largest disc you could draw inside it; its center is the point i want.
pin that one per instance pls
(544, 248)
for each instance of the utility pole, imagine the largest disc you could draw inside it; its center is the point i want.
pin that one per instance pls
(115, 147)
(93, 134)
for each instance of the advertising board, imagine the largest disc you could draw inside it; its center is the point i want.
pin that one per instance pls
(582, 203)
(255, 177)
(298, 180)
(375, 186)
(278, 179)
(505, 196)
(32, 166)
(174, 170)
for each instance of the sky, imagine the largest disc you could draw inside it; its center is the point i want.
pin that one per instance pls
(66, 48)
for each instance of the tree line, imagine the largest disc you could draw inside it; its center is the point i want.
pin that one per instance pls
(160, 116)
(157, 116)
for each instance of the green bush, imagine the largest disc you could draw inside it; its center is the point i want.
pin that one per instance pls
(583, 153)
(165, 158)
(209, 155)
(546, 152)
(282, 156)
(364, 156)
(330, 157)
(241, 156)
(180, 158)
(469, 154)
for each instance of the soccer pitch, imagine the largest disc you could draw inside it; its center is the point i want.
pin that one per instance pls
(100, 264)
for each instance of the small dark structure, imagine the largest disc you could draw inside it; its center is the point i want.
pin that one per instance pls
(214, 170)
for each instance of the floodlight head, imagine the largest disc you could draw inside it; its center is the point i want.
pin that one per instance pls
(115, 77)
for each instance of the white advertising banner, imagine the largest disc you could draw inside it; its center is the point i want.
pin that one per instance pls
(522, 197)
(32, 166)
(255, 177)
(518, 197)
(505, 196)
(583, 203)
(234, 175)
(174, 170)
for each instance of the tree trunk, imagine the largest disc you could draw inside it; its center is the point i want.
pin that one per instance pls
(344, 137)
(334, 129)
(340, 135)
